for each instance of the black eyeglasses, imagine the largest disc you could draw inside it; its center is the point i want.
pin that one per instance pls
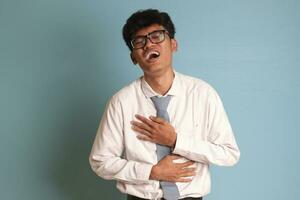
(155, 37)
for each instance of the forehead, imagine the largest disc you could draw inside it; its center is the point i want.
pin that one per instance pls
(149, 29)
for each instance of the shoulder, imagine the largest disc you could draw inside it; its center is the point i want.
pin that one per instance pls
(195, 85)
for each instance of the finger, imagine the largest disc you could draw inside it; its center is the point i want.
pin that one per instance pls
(174, 156)
(142, 131)
(187, 174)
(141, 125)
(184, 180)
(157, 120)
(185, 164)
(144, 137)
(145, 120)
(189, 169)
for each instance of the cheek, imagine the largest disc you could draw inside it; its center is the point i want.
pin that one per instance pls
(137, 56)
(168, 53)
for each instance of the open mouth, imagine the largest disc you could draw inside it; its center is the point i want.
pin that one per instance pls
(152, 55)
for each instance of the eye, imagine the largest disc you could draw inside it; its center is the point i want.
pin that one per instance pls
(138, 41)
(156, 35)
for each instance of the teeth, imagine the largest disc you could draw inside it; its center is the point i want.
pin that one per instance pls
(152, 53)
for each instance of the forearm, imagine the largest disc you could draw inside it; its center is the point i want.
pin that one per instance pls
(213, 141)
(219, 153)
(116, 168)
(105, 158)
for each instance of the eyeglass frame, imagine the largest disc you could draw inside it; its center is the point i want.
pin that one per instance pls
(147, 37)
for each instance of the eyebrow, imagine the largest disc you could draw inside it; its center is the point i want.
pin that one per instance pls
(148, 33)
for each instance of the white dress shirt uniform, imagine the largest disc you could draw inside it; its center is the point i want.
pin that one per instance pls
(204, 135)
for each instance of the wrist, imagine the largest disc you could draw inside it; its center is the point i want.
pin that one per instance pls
(173, 141)
(153, 173)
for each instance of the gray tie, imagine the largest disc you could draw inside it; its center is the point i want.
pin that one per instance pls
(170, 190)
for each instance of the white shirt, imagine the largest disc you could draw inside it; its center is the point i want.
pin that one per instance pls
(203, 132)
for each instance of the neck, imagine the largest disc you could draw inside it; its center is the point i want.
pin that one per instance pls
(160, 83)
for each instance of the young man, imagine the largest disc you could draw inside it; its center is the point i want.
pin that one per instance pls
(159, 134)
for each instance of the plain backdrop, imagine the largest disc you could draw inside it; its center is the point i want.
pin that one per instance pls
(61, 60)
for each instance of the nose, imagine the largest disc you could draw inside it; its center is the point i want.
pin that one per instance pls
(148, 43)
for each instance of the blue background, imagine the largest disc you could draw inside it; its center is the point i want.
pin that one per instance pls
(61, 60)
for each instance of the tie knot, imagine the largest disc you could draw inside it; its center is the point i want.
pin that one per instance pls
(161, 103)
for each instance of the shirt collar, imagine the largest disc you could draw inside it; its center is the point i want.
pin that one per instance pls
(149, 92)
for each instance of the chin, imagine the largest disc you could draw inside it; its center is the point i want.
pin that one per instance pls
(158, 69)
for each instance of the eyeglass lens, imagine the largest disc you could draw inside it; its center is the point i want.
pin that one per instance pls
(155, 37)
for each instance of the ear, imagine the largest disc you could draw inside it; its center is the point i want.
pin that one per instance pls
(133, 59)
(174, 44)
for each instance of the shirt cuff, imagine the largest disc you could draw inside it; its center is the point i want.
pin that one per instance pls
(182, 143)
(143, 171)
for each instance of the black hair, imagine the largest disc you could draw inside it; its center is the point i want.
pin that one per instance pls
(144, 18)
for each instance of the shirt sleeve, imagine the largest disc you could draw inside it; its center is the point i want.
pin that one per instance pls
(106, 154)
(219, 146)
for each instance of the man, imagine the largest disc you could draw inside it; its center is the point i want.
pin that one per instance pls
(159, 134)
